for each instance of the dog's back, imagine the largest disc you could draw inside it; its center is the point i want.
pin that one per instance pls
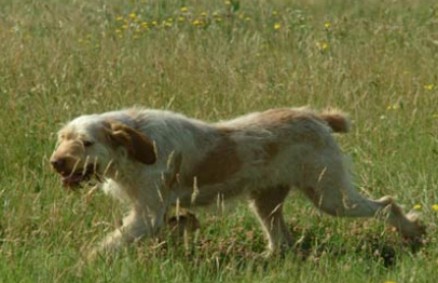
(273, 119)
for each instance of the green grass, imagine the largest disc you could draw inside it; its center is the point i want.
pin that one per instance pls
(215, 60)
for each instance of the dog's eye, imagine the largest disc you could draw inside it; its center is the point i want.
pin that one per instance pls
(88, 143)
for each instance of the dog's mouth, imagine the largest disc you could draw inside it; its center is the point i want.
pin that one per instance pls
(75, 178)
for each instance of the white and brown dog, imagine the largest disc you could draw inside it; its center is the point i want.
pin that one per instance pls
(154, 158)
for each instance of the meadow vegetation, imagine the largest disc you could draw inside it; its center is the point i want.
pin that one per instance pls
(376, 60)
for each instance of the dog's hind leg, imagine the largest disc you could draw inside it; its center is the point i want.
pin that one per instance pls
(268, 206)
(332, 191)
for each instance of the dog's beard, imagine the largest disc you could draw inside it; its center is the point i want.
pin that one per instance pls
(89, 174)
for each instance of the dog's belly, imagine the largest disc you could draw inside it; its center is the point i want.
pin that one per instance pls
(210, 194)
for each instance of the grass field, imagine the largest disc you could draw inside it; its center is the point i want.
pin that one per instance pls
(213, 60)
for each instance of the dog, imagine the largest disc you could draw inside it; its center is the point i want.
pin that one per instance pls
(153, 159)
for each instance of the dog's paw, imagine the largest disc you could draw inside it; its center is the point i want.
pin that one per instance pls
(415, 233)
(182, 222)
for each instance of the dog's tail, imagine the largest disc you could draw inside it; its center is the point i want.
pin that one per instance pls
(337, 120)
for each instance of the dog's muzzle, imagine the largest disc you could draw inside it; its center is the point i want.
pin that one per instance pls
(72, 178)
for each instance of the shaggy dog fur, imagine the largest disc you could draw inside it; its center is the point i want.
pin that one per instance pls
(154, 159)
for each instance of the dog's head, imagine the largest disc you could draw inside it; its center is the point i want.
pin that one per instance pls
(90, 145)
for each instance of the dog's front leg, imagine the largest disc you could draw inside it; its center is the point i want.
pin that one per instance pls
(136, 225)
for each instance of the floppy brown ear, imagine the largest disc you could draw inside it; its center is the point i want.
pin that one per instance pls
(138, 145)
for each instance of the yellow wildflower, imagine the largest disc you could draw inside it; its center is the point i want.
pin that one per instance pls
(184, 9)
(417, 206)
(133, 15)
(323, 45)
(429, 86)
(435, 207)
(197, 23)
(167, 24)
(274, 13)
(119, 18)
(392, 107)
(327, 25)
(277, 26)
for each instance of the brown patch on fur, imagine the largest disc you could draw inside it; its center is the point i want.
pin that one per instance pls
(271, 150)
(219, 164)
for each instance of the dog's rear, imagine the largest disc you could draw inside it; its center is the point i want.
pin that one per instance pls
(336, 119)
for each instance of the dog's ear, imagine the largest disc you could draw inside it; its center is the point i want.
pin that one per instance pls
(137, 144)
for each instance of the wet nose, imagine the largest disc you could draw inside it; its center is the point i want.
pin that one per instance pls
(58, 164)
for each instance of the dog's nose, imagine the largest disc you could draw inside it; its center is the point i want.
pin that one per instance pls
(58, 164)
